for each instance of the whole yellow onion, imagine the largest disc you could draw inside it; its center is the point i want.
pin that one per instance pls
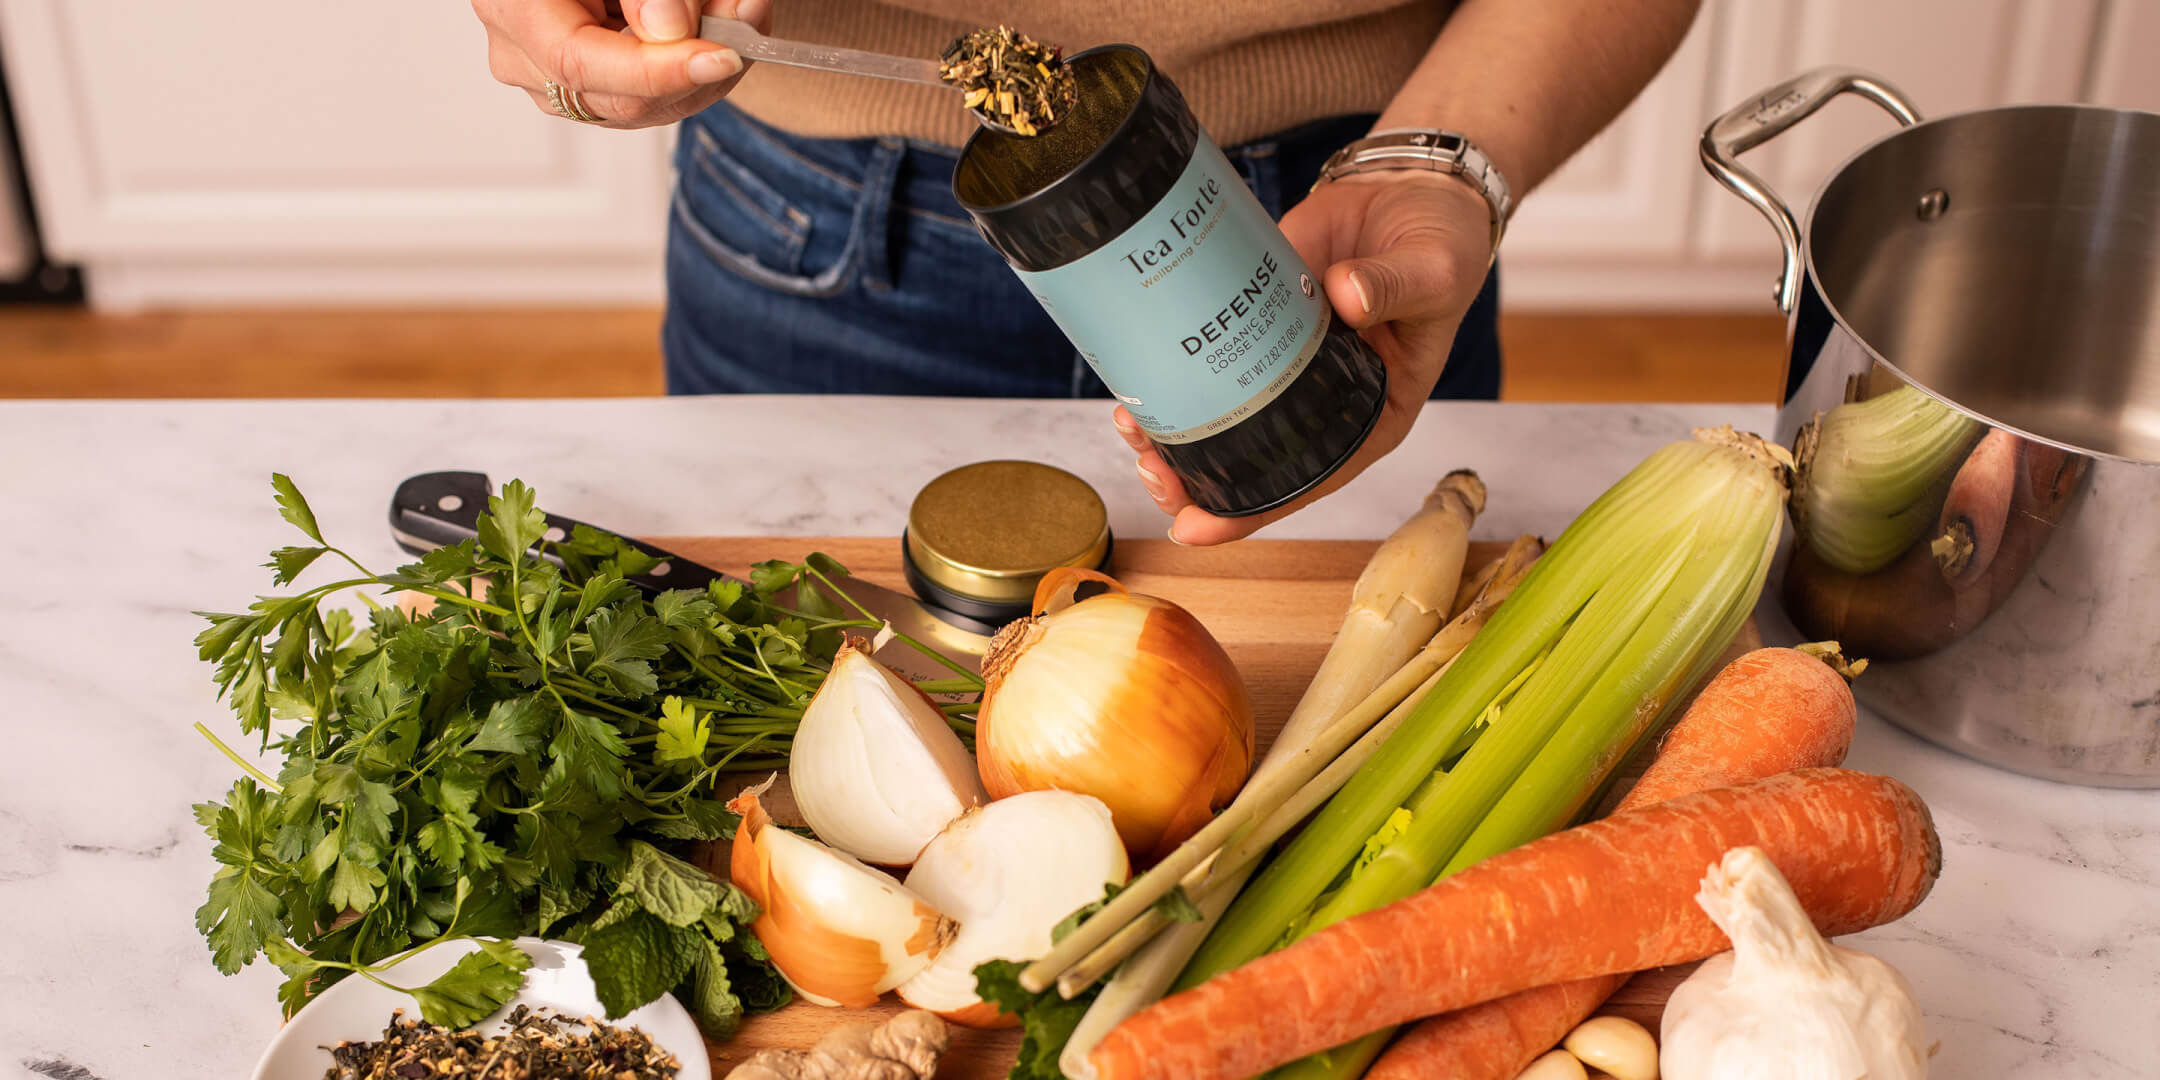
(1120, 696)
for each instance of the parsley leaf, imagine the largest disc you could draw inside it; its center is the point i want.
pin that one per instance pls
(514, 726)
(512, 524)
(293, 507)
(683, 733)
(622, 642)
(478, 984)
(289, 561)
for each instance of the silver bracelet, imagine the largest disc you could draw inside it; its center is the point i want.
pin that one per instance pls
(1447, 152)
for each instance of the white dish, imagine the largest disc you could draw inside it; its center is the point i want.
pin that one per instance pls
(358, 1009)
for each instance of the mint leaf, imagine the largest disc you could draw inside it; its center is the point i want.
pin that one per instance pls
(712, 997)
(683, 733)
(1047, 1019)
(674, 891)
(515, 726)
(512, 524)
(702, 819)
(478, 984)
(293, 506)
(637, 959)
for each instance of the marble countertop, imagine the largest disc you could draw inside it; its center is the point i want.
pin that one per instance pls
(2037, 956)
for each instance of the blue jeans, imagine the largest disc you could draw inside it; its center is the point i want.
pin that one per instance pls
(813, 266)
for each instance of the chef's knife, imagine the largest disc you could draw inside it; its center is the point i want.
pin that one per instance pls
(442, 508)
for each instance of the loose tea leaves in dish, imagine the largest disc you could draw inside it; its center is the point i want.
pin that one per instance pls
(537, 1046)
(1012, 79)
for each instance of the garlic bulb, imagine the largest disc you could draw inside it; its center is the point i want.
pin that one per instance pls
(1784, 1004)
(874, 767)
(840, 932)
(1009, 873)
(1123, 697)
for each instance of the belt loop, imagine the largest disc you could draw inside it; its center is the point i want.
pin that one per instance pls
(873, 216)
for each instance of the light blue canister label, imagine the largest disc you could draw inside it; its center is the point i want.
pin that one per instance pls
(1199, 314)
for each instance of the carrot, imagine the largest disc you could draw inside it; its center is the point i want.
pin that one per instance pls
(1768, 712)
(1611, 896)
(1971, 524)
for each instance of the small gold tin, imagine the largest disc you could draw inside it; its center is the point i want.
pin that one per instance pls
(981, 536)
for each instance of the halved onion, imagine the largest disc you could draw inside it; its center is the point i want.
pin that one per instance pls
(874, 768)
(840, 932)
(1008, 873)
(1120, 696)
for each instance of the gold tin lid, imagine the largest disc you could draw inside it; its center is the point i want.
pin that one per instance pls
(991, 530)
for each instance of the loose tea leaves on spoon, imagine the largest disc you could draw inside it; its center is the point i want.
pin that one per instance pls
(1013, 80)
(536, 1046)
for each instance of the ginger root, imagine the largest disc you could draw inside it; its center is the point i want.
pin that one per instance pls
(906, 1047)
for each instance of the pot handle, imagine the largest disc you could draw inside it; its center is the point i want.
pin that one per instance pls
(1765, 116)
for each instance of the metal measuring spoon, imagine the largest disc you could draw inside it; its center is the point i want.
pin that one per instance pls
(751, 45)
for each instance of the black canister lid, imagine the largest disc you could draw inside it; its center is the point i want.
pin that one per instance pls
(1044, 200)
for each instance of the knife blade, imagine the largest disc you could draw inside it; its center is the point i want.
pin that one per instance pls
(439, 509)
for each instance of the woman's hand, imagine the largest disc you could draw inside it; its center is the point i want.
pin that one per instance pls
(1405, 253)
(656, 73)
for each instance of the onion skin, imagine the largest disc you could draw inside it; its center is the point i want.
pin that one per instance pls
(825, 965)
(1124, 697)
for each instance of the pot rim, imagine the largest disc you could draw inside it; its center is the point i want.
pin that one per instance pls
(1814, 279)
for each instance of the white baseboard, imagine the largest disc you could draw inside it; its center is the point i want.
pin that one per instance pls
(135, 284)
(1530, 284)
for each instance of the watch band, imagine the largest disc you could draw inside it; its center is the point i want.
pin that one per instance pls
(1445, 152)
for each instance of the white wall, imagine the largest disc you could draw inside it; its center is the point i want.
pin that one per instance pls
(263, 151)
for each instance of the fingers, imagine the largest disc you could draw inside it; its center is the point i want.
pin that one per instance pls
(1129, 430)
(661, 21)
(594, 60)
(1413, 280)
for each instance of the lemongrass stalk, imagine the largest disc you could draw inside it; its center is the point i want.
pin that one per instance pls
(1400, 599)
(1641, 510)
(1871, 475)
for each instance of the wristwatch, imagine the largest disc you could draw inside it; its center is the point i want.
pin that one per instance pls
(1427, 148)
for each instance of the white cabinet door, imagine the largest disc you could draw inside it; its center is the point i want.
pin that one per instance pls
(1945, 55)
(264, 147)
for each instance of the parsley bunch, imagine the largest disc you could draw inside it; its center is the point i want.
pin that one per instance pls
(533, 755)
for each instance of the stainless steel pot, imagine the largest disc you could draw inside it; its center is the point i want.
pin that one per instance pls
(1974, 389)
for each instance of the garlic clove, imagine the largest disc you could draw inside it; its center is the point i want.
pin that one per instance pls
(839, 931)
(874, 768)
(1008, 873)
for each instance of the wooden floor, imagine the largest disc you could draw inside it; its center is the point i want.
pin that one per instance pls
(49, 353)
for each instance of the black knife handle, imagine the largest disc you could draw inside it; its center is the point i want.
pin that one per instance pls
(439, 509)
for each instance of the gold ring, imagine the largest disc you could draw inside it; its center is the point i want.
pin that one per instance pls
(568, 105)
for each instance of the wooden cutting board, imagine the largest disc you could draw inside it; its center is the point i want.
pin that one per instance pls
(1274, 605)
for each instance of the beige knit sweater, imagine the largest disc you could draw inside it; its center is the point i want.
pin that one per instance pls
(1248, 67)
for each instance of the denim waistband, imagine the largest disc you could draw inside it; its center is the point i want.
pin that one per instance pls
(1279, 168)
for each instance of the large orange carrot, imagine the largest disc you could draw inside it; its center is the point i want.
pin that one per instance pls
(1768, 712)
(1611, 896)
